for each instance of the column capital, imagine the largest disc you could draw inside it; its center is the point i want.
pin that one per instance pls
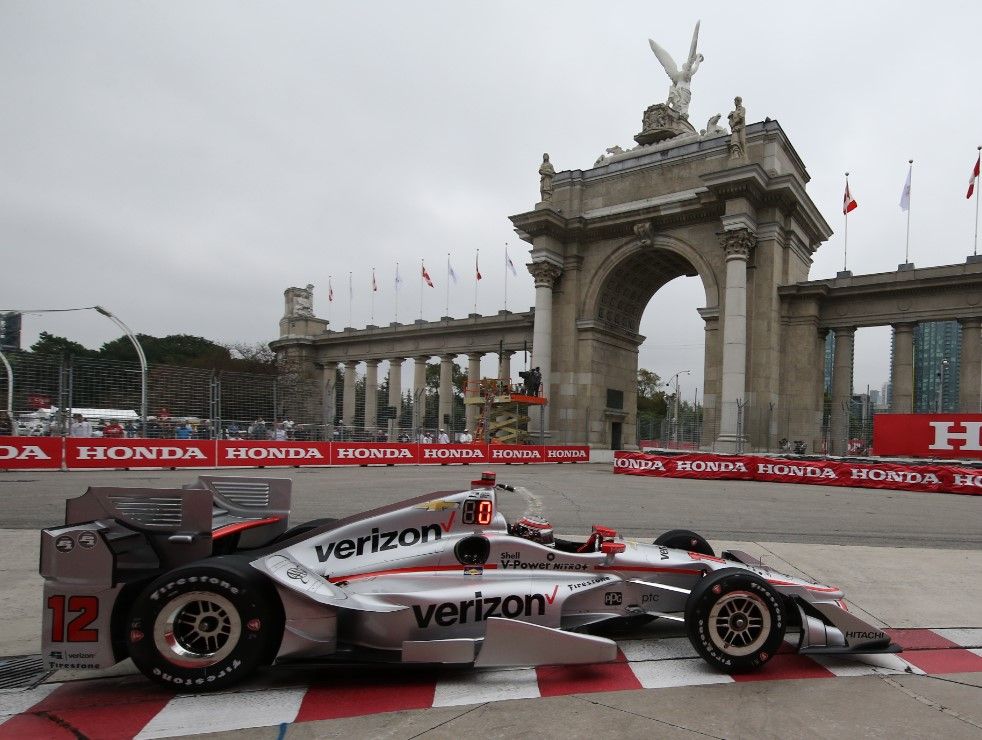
(449, 357)
(371, 363)
(475, 356)
(351, 363)
(545, 273)
(969, 322)
(904, 327)
(396, 360)
(507, 352)
(422, 359)
(844, 331)
(737, 243)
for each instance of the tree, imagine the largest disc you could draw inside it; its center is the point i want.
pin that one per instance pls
(50, 344)
(651, 399)
(174, 349)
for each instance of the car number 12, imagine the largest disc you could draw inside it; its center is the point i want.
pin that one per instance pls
(78, 629)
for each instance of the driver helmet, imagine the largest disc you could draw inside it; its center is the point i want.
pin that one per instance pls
(534, 528)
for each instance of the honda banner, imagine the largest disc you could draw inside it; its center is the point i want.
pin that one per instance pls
(138, 453)
(30, 453)
(235, 453)
(940, 478)
(928, 435)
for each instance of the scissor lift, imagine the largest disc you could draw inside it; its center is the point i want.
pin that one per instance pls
(504, 411)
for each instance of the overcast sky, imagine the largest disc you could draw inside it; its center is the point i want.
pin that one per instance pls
(182, 163)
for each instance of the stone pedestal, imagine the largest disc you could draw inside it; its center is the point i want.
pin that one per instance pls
(902, 381)
(845, 340)
(660, 123)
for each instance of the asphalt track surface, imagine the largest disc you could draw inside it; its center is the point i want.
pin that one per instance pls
(575, 497)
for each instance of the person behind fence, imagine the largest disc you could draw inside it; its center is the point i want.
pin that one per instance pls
(80, 427)
(113, 430)
(279, 432)
(443, 438)
(183, 430)
(258, 429)
(465, 437)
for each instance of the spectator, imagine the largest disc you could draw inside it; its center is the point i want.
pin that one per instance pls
(465, 437)
(443, 438)
(183, 431)
(80, 427)
(130, 429)
(113, 430)
(279, 432)
(232, 431)
(258, 429)
(426, 438)
(288, 426)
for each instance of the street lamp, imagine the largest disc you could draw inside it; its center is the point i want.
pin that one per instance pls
(143, 364)
(10, 395)
(944, 366)
(675, 377)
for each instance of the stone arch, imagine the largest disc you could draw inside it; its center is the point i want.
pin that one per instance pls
(625, 281)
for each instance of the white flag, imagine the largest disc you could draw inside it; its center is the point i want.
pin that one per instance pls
(511, 265)
(451, 273)
(398, 279)
(905, 196)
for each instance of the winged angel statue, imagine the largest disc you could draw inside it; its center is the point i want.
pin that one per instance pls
(679, 93)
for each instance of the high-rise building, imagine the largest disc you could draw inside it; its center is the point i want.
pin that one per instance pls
(937, 356)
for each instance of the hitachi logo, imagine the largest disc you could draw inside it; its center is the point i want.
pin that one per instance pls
(482, 607)
(372, 453)
(453, 454)
(377, 541)
(27, 452)
(140, 453)
(273, 453)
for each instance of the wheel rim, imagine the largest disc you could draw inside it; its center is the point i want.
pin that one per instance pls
(739, 623)
(197, 629)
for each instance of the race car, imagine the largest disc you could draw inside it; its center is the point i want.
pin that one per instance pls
(202, 586)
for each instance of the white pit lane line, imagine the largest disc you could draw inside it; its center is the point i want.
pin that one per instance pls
(20, 701)
(196, 714)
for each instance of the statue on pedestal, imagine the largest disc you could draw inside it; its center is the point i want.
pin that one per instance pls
(546, 173)
(679, 93)
(713, 128)
(738, 126)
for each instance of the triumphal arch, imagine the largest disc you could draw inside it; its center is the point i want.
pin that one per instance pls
(726, 205)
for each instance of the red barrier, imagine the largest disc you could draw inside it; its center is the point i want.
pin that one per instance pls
(935, 478)
(139, 453)
(368, 453)
(928, 435)
(243, 453)
(30, 453)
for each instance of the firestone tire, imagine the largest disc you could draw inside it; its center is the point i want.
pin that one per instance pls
(205, 627)
(735, 620)
(684, 539)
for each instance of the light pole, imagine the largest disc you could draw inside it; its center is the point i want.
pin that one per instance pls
(675, 377)
(10, 395)
(944, 365)
(143, 364)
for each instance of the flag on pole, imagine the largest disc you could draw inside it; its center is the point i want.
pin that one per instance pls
(477, 266)
(330, 291)
(450, 272)
(848, 202)
(398, 279)
(974, 177)
(511, 265)
(905, 196)
(374, 282)
(426, 277)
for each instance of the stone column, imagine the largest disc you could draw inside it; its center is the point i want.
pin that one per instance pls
(348, 403)
(371, 394)
(504, 365)
(546, 274)
(737, 244)
(446, 391)
(328, 410)
(395, 391)
(845, 341)
(419, 391)
(902, 376)
(473, 411)
(970, 368)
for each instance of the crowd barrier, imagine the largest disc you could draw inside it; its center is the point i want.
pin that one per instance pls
(940, 478)
(54, 453)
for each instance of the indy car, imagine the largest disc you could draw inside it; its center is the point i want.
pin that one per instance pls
(204, 585)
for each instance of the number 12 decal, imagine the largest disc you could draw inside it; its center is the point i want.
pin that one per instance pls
(78, 629)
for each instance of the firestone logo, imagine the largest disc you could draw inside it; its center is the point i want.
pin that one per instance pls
(140, 453)
(27, 452)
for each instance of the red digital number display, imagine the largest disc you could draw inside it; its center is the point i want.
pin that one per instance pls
(478, 512)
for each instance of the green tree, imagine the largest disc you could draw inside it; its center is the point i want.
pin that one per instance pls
(651, 399)
(50, 344)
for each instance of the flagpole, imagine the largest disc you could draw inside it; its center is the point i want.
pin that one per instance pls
(447, 312)
(477, 264)
(975, 246)
(845, 239)
(330, 298)
(350, 299)
(397, 292)
(910, 178)
(422, 266)
(506, 276)
(373, 295)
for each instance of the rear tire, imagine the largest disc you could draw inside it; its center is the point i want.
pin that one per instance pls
(684, 539)
(735, 620)
(205, 627)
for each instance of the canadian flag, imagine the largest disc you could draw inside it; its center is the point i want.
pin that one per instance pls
(330, 291)
(426, 277)
(477, 267)
(848, 202)
(374, 283)
(974, 177)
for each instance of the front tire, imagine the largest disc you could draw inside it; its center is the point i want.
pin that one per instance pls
(735, 620)
(204, 627)
(685, 539)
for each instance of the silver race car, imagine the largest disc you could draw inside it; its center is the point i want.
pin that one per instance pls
(203, 585)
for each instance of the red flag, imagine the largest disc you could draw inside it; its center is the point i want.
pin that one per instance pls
(374, 284)
(477, 268)
(330, 291)
(975, 176)
(426, 277)
(848, 202)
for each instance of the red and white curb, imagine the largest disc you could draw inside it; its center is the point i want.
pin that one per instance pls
(131, 707)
